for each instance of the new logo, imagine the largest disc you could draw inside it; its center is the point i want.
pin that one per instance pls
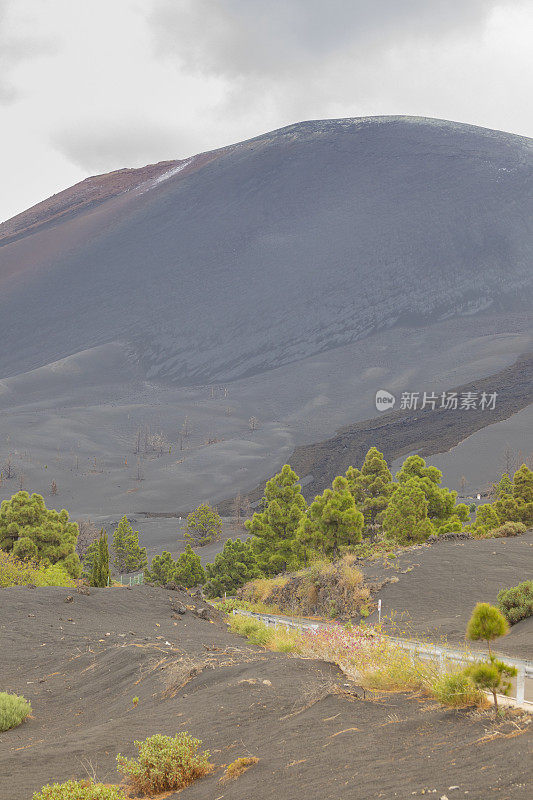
(384, 400)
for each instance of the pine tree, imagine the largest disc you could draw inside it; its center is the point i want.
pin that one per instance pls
(504, 486)
(441, 502)
(406, 519)
(91, 554)
(518, 505)
(203, 525)
(189, 571)
(100, 564)
(487, 520)
(332, 521)
(487, 624)
(493, 676)
(25, 549)
(231, 569)
(162, 569)
(52, 533)
(274, 528)
(129, 555)
(119, 544)
(371, 486)
(186, 570)
(523, 490)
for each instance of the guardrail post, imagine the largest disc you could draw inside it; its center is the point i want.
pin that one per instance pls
(520, 685)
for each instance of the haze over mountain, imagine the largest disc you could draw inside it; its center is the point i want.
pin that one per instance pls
(263, 253)
(303, 269)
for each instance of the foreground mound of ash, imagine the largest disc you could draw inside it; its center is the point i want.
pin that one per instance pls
(109, 667)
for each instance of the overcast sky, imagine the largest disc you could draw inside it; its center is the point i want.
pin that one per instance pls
(87, 86)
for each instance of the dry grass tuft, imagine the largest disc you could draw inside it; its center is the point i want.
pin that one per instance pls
(455, 689)
(178, 673)
(237, 767)
(260, 589)
(330, 589)
(280, 639)
(396, 670)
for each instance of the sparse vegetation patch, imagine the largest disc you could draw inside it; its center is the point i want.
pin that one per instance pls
(79, 790)
(237, 767)
(325, 588)
(13, 710)
(165, 763)
(17, 572)
(457, 690)
(516, 603)
(280, 639)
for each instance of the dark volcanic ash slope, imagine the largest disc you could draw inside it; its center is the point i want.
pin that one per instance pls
(275, 249)
(81, 663)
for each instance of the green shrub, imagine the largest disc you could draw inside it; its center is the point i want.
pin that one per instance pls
(254, 630)
(17, 572)
(516, 603)
(509, 529)
(457, 689)
(13, 710)
(14, 572)
(165, 763)
(55, 575)
(79, 790)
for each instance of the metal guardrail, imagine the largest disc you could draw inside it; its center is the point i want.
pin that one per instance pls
(135, 579)
(442, 654)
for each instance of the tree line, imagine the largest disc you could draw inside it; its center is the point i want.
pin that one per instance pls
(286, 533)
(364, 504)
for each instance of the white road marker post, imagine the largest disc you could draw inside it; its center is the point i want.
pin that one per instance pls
(520, 685)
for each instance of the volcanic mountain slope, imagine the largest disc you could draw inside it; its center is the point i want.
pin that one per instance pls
(296, 273)
(278, 248)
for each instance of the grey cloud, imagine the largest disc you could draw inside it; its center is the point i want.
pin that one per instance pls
(16, 49)
(100, 146)
(251, 37)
